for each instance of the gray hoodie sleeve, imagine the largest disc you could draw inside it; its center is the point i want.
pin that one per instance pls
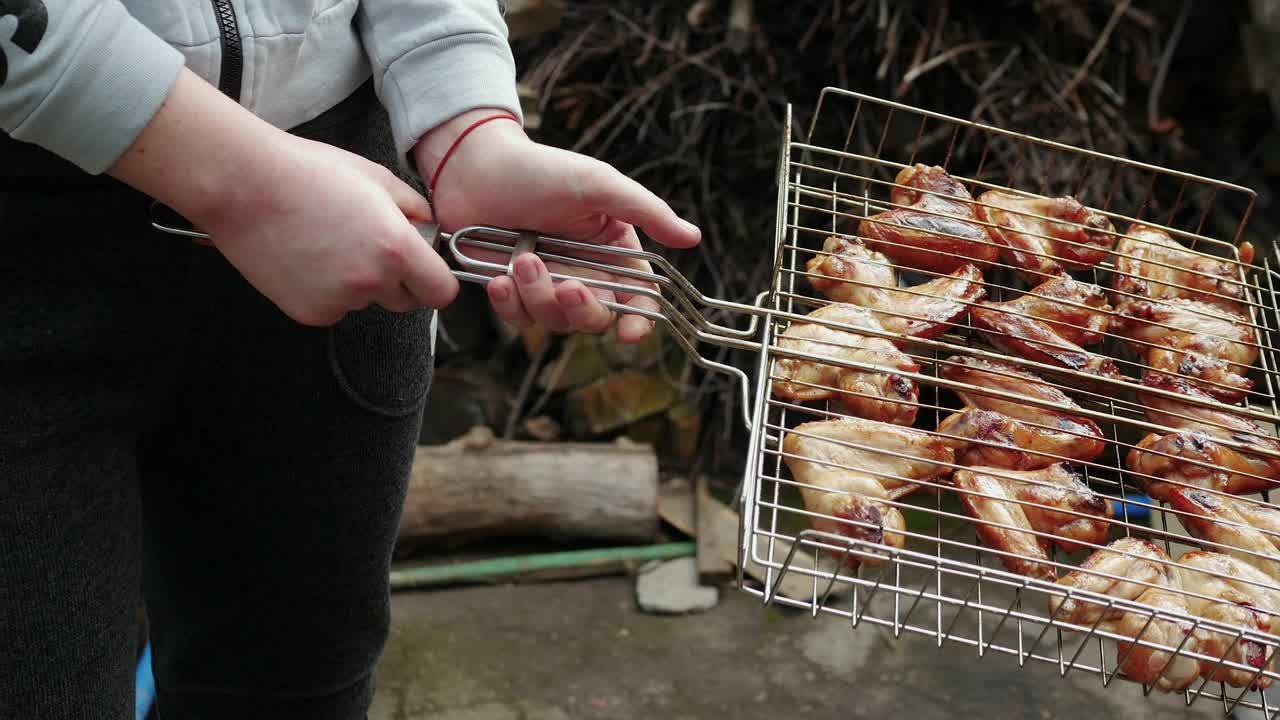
(80, 78)
(434, 59)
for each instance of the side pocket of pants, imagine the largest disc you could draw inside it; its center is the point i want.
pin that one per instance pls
(383, 360)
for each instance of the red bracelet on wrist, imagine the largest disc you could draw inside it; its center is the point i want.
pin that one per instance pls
(431, 187)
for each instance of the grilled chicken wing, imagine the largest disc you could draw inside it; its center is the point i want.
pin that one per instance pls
(1012, 434)
(878, 395)
(1236, 432)
(982, 437)
(1193, 339)
(1154, 266)
(850, 272)
(1243, 529)
(1036, 340)
(1044, 237)
(1123, 570)
(1190, 459)
(935, 232)
(992, 503)
(1137, 571)
(1078, 312)
(848, 465)
(1072, 512)
(1241, 598)
(1052, 501)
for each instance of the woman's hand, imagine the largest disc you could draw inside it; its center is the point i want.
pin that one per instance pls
(319, 231)
(498, 176)
(333, 233)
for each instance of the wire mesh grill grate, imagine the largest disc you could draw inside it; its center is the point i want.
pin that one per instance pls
(944, 581)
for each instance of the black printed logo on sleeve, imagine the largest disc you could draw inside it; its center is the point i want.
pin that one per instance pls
(33, 20)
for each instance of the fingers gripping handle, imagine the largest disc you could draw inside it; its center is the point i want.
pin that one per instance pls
(688, 329)
(524, 245)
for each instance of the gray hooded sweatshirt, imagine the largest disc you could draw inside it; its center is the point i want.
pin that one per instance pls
(81, 78)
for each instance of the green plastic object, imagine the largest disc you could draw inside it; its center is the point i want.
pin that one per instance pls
(477, 570)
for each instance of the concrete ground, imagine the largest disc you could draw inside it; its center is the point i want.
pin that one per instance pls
(582, 649)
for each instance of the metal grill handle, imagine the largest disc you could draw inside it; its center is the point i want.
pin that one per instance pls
(690, 326)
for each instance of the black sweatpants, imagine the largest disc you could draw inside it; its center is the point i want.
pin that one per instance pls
(167, 434)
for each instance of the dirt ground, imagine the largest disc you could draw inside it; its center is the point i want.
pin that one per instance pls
(582, 649)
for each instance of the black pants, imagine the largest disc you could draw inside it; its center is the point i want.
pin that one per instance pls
(167, 434)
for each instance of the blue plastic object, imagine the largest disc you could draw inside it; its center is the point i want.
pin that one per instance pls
(1137, 513)
(145, 686)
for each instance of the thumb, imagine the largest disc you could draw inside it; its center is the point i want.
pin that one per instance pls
(602, 189)
(414, 206)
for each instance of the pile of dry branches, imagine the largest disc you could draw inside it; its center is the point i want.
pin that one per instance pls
(688, 96)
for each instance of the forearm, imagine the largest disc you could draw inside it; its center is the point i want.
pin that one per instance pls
(201, 154)
(431, 148)
(435, 59)
(80, 78)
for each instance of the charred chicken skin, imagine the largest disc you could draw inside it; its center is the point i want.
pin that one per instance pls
(1137, 571)
(1208, 343)
(1241, 598)
(1017, 511)
(881, 394)
(847, 472)
(850, 272)
(1010, 434)
(1153, 266)
(933, 227)
(1044, 237)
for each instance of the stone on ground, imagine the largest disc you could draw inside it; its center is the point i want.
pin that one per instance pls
(672, 588)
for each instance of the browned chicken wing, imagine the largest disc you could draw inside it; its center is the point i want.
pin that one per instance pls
(1063, 504)
(1137, 571)
(854, 273)
(1052, 501)
(1151, 265)
(1036, 340)
(1124, 569)
(1013, 434)
(935, 232)
(879, 395)
(1222, 423)
(1243, 529)
(1208, 343)
(851, 472)
(1190, 459)
(982, 437)
(1044, 237)
(1240, 598)
(1076, 311)
(882, 394)
(1002, 523)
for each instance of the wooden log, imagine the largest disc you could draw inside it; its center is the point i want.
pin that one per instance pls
(478, 486)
